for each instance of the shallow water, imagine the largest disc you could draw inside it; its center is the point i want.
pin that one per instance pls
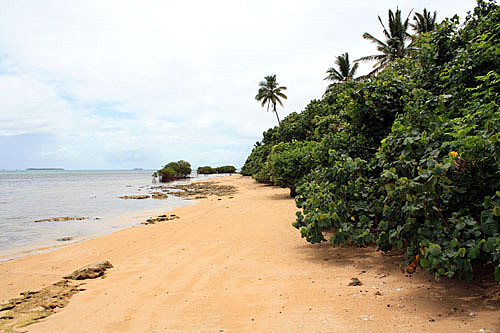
(27, 196)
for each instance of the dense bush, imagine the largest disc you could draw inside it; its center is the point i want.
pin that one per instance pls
(289, 162)
(208, 170)
(407, 159)
(174, 170)
(256, 160)
(225, 169)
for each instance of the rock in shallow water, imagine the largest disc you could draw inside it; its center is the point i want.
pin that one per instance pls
(64, 218)
(159, 195)
(141, 196)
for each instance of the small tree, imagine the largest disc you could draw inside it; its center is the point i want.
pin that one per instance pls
(174, 170)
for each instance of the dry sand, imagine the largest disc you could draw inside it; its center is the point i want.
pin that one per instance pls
(237, 265)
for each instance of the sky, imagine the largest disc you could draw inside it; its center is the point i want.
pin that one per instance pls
(137, 84)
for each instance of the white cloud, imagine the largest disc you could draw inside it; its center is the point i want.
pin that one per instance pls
(154, 80)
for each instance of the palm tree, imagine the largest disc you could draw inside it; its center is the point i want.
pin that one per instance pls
(394, 46)
(344, 73)
(424, 22)
(269, 93)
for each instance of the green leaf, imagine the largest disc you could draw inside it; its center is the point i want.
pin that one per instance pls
(490, 245)
(488, 224)
(487, 202)
(439, 170)
(453, 243)
(473, 253)
(497, 273)
(435, 250)
(424, 263)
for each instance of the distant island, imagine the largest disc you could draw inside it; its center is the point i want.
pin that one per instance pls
(30, 169)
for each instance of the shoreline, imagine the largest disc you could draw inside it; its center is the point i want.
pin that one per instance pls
(103, 224)
(238, 265)
(130, 219)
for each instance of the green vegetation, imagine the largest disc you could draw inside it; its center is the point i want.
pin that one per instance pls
(174, 170)
(226, 169)
(208, 170)
(408, 158)
(288, 162)
(269, 93)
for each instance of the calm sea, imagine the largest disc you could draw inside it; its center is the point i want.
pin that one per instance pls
(27, 196)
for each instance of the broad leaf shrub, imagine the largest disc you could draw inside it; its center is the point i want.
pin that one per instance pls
(407, 159)
(289, 162)
(340, 200)
(436, 182)
(256, 160)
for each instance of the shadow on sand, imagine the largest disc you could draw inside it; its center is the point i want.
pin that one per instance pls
(445, 298)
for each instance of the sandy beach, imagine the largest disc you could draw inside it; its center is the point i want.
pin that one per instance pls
(235, 264)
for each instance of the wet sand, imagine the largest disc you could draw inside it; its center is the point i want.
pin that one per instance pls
(237, 265)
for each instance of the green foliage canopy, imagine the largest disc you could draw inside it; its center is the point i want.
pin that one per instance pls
(407, 159)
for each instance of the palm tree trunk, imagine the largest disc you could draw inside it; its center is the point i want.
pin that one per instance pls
(276, 112)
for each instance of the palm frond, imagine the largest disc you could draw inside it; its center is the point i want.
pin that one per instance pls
(372, 57)
(369, 37)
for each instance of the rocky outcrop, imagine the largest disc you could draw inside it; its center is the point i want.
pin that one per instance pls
(91, 271)
(140, 196)
(64, 218)
(202, 190)
(33, 306)
(160, 218)
(159, 195)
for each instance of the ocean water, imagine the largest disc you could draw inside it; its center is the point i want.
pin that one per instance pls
(27, 196)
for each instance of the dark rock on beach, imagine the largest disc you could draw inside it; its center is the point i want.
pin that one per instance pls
(160, 218)
(32, 306)
(91, 271)
(355, 282)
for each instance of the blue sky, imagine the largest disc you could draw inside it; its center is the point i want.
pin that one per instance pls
(124, 84)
